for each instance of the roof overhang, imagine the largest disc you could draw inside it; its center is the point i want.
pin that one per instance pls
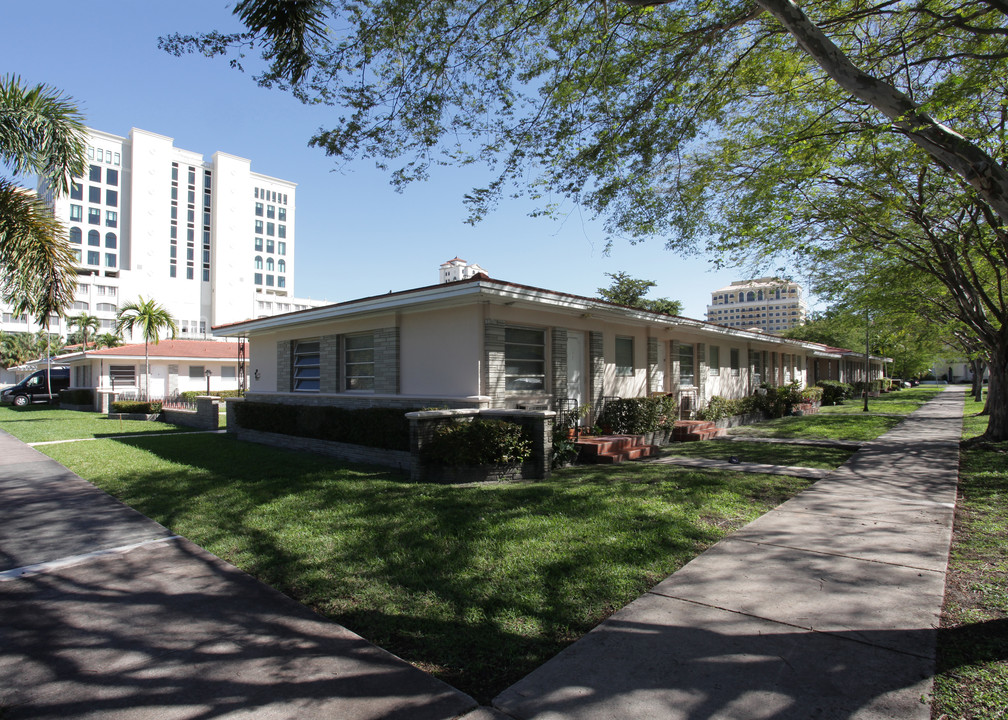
(485, 290)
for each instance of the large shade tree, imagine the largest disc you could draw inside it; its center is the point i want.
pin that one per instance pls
(665, 117)
(150, 319)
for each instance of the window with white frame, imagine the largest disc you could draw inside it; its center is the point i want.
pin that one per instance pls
(624, 356)
(524, 359)
(358, 362)
(307, 369)
(714, 363)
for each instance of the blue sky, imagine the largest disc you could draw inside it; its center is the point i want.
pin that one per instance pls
(356, 236)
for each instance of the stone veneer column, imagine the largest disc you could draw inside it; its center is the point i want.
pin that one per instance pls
(493, 363)
(652, 364)
(285, 351)
(386, 359)
(329, 363)
(558, 362)
(596, 358)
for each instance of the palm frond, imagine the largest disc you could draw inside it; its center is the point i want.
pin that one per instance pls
(36, 261)
(41, 132)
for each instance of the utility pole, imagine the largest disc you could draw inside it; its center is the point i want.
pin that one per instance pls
(867, 362)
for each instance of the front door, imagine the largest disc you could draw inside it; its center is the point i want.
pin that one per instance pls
(576, 386)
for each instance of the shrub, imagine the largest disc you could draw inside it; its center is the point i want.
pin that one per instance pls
(719, 408)
(635, 416)
(385, 428)
(77, 396)
(834, 392)
(812, 394)
(480, 442)
(137, 406)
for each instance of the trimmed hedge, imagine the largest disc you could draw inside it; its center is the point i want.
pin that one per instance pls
(480, 442)
(385, 428)
(137, 407)
(77, 396)
(191, 395)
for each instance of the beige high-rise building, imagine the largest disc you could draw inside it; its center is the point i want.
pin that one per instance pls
(769, 304)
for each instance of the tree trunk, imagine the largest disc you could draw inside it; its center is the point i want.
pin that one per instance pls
(997, 396)
(978, 366)
(948, 147)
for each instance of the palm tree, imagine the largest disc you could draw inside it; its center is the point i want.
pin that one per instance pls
(107, 340)
(150, 319)
(41, 133)
(84, 323)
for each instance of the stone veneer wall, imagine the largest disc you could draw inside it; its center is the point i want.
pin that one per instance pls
(596, 360)
(558, 361)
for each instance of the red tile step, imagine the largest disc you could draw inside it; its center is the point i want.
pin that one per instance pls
(609, 449)
(695, 430)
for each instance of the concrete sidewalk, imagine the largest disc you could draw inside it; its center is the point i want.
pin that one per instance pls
(104, 614)
(823, 608)
(826, 607)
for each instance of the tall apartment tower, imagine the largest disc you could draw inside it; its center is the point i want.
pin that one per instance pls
(769, 304)
(210, 240)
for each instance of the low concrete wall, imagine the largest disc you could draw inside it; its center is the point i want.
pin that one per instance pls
(398, 459)
(206, 416)
(736, 420)
(538, 424)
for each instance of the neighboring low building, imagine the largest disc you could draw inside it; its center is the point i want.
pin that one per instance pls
(768, 304)
(489, 343)
(176, 366)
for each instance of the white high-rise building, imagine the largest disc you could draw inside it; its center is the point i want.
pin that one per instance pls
(210, 240)
(768, 304)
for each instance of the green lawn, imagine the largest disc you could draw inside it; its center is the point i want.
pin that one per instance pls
(771, 453)
(972, 679)
(476, 584)
(902, 402)
(40, 423)
(820, 425)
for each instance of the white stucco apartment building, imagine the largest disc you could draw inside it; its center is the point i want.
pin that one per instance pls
(211, 240)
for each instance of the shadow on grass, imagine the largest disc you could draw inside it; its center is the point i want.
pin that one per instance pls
(477, 584)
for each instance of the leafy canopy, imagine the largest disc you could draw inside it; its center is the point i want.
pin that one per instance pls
(630, 291)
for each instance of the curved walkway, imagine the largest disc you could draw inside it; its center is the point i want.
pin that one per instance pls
(823, 608)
